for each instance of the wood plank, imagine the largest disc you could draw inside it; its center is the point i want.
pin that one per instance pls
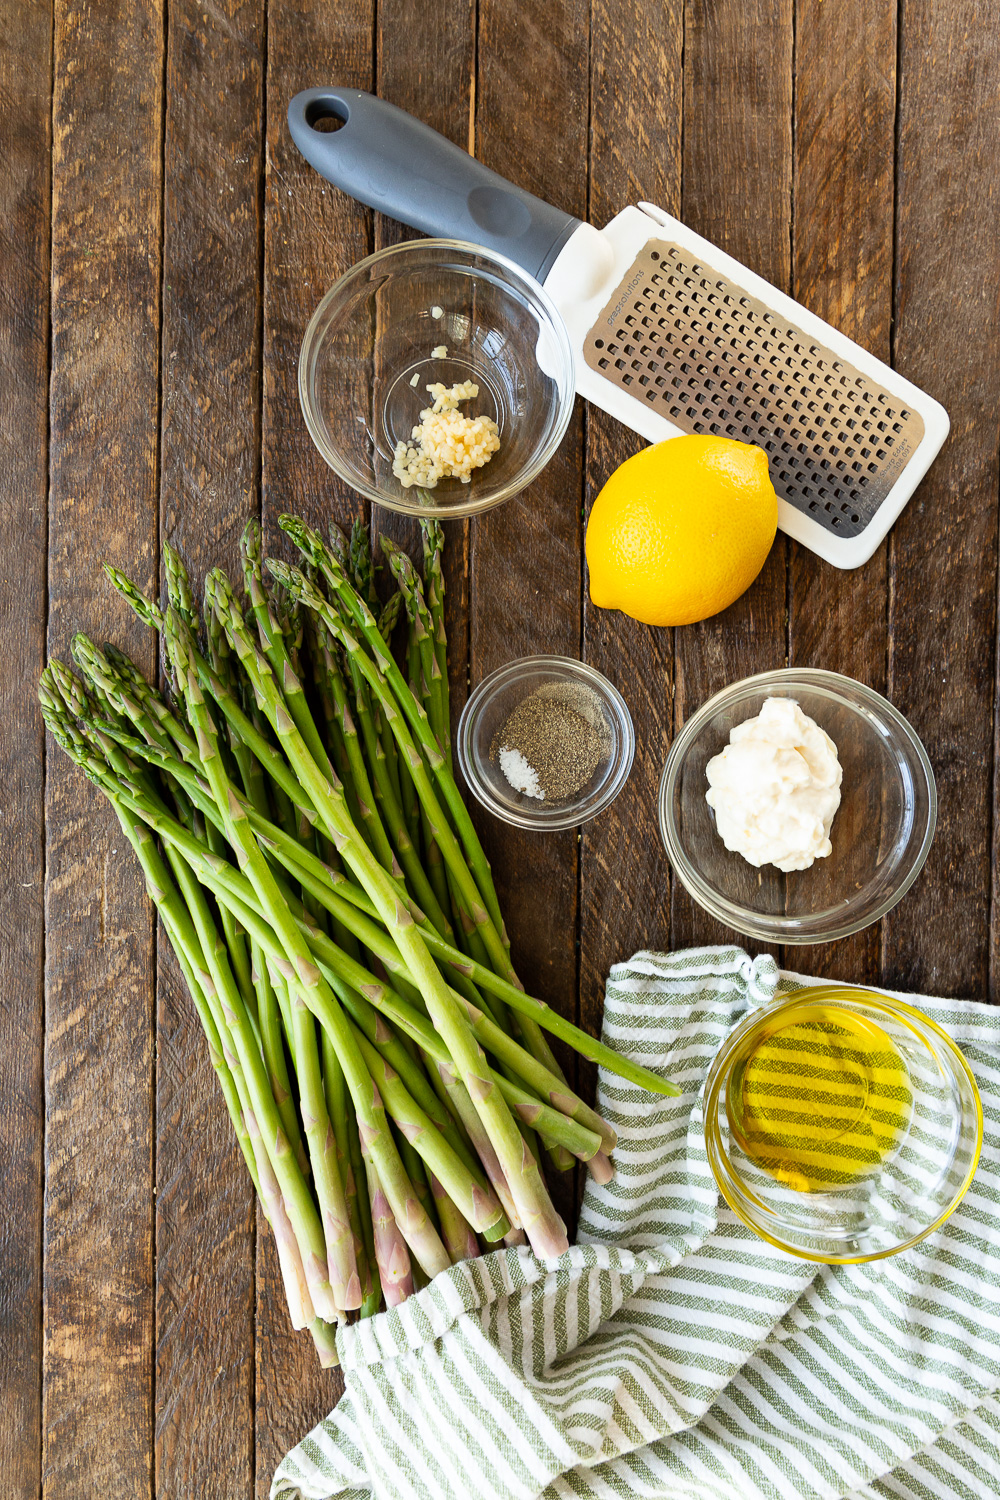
(635, 153)
(736, 192)
(426, 65)
(25, 110)
(943, 552)
(525, 565)
(843, 254)
(107, 141)
(210, 453)
(312, 235)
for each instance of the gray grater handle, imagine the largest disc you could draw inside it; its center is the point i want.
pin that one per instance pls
(384, 157)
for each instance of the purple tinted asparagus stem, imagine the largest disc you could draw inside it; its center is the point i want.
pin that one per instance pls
(300, 1308)
(391, 1255)
(480, 1139)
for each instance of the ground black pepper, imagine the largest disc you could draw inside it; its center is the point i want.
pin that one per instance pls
(561, 732)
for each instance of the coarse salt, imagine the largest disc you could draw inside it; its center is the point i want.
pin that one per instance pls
(520, 773)
(437, 312)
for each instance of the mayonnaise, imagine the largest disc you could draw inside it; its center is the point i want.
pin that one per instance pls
(775, 788)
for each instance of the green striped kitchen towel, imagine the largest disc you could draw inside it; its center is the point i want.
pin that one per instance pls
(672, 1353)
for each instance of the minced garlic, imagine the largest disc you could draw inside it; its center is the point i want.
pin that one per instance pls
(440, 352)
(445, 444)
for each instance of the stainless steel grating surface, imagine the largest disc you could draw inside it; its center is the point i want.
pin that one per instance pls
(710, 358)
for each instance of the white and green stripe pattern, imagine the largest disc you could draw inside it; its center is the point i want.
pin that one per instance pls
(671, 1353)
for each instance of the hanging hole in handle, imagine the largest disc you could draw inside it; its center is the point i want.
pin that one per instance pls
(325, 116)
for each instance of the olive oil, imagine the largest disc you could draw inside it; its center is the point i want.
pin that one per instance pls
(821, 1099)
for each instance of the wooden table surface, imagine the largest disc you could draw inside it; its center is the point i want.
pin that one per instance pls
(162, 246)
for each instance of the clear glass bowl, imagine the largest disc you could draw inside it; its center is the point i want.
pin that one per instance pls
(890, 1201)
(367, 359)
(488, 710)
(881, 834)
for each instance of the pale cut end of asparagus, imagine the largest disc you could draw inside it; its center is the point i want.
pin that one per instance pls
(325, 1340)
(601, 1168)
(391, 1254)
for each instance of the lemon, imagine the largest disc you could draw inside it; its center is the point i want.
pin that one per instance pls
(681, 530)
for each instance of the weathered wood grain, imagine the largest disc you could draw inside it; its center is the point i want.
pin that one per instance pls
(943, 553)
(635, 153)
(736, 192)
(210, 453)
(312, 235)
(427, 67)
(842, 270)
(106, 196)
(25, 108)
(525, 565)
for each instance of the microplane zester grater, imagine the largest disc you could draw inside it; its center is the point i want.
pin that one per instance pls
(669, 334)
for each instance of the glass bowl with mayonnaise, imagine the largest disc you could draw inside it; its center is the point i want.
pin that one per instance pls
(797, 806)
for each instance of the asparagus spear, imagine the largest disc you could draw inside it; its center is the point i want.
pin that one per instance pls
(432, 534)
(411, 589)
(459, 875)
(283, 1190)
(390, 1247)
(308, 868)
(311, 545)
(541, 1222)
(338, 937)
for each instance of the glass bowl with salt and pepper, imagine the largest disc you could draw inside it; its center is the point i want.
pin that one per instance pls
(546, 742)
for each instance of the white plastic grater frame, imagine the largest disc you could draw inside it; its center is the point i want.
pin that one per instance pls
(584, 276)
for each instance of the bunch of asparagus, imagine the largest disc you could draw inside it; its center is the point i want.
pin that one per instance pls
(292, 804)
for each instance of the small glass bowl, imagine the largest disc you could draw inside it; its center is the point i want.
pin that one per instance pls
(488, 710)
(889, 1202)
(367, 360)
(881, 834)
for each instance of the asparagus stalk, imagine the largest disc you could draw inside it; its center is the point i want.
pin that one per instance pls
(459, 1238)
(372, 1283)
(541, 1222)
(411, 589)
(340, 1112)
(179, 586)
(432, 534)
(478, 1207)
(391, 1254)
(305, 866)
(389, 616)
(489, 922)
(274, 1053)
(312, 547)
(283, 1191)
(467, 893)
(335, 920)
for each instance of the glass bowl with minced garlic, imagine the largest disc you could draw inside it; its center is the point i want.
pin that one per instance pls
(545, 742)
(436, 378)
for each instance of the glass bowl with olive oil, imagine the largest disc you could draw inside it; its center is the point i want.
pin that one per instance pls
(841, 1124)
